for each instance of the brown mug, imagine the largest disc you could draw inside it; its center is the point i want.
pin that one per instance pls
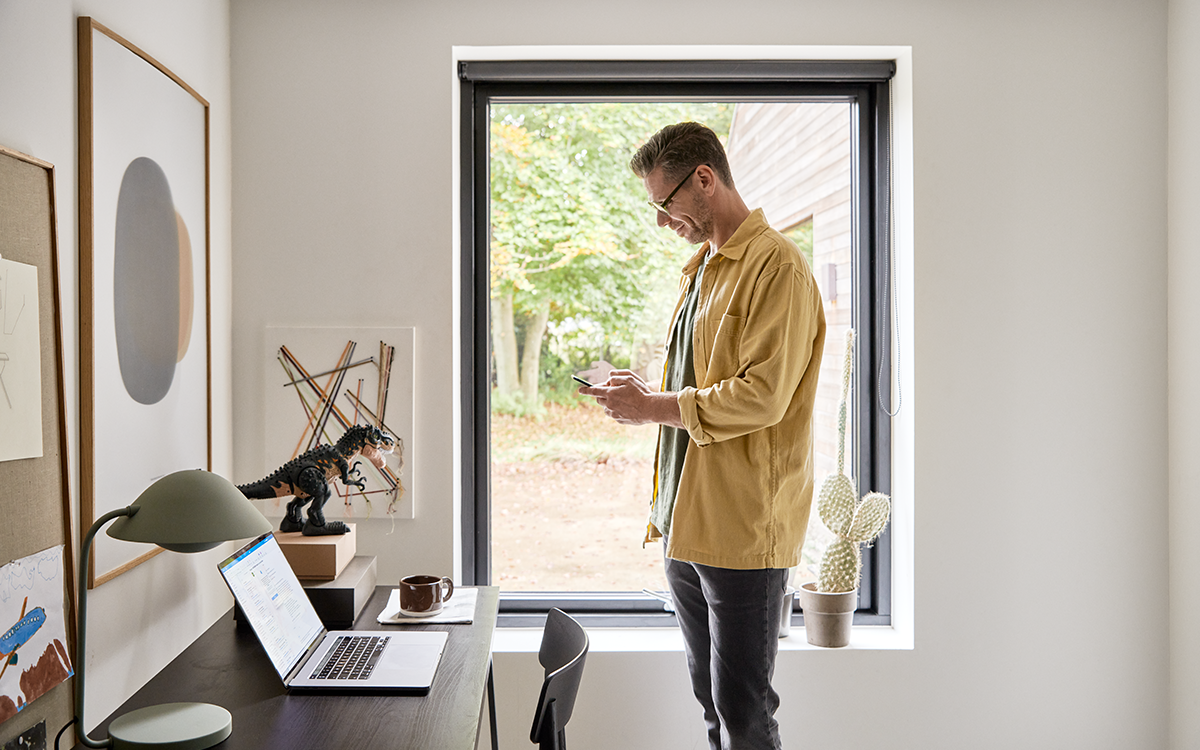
(422, 596)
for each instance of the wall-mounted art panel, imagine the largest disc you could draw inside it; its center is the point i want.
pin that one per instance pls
(319, 382)
(143, 224)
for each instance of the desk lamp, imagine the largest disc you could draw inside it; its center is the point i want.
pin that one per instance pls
(188, 511)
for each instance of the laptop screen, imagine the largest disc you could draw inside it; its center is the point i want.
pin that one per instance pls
(273, 601)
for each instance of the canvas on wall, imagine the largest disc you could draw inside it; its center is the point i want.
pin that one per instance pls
(144, 282)
(321, 380)
(33, 650)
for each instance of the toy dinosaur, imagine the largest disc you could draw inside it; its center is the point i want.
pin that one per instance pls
(307, 477)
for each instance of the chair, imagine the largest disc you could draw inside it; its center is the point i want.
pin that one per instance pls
(564, 648)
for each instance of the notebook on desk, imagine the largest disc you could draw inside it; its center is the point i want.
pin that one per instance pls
(306, 655)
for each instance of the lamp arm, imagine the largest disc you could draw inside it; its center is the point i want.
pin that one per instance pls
(85, 557)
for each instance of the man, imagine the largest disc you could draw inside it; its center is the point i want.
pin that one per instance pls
(734, 475)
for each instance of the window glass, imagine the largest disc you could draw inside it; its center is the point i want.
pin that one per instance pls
(580, 272)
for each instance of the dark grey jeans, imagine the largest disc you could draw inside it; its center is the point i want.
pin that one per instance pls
(730, 623)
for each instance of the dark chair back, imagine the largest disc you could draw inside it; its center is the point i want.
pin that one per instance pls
(564, 648)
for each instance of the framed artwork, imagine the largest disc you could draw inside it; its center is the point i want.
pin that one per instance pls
(143, 282)
(321, 381)
(36, 570)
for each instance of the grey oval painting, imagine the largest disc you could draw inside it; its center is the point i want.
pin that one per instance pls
(146, 282)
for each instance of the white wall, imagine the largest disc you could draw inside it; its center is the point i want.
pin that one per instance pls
(1041, 345)
(1183, 262)
(161, 606)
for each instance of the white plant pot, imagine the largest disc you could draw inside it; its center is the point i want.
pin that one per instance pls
(827, 617)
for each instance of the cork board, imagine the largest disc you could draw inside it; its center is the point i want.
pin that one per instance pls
(35, 504)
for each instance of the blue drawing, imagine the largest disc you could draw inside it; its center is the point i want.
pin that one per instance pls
(16, 636)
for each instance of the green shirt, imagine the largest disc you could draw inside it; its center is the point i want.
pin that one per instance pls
(680, 372)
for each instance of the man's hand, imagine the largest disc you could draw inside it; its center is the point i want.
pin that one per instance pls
(629, 400)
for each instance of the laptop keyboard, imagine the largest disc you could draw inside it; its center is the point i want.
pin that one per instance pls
(351, 658)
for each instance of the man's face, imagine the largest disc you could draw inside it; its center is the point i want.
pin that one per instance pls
(688, 213)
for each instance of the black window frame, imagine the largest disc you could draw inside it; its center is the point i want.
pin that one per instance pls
(865, 84)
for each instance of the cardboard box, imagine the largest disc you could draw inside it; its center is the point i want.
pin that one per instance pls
(338, 602)
(318, 558)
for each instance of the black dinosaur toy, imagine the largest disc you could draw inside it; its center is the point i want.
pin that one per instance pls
(307, 477)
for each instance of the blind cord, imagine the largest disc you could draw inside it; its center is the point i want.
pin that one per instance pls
(888, 271)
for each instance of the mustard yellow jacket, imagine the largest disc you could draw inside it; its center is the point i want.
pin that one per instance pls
(746, 490)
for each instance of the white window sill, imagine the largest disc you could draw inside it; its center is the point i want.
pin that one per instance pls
(630, 640)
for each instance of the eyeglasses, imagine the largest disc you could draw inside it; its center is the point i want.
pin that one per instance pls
(662, 204)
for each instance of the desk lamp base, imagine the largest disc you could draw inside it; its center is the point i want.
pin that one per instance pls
(171, 726)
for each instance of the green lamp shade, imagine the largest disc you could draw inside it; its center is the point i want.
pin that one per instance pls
(190, 511)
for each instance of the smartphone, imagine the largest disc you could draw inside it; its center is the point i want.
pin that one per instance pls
(581, 380)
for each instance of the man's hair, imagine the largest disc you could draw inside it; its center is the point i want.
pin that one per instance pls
(679, 148)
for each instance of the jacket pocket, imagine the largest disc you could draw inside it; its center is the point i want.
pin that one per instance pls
(731, 326)
(724, 361)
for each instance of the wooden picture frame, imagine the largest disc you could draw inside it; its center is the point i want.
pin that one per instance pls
(145, 343)
(36, 502)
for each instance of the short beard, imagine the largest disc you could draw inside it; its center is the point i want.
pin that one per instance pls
(703, 230)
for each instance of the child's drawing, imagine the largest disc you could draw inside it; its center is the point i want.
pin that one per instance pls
(33, 650)
(18, 635)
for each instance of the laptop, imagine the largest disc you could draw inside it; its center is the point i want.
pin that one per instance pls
(310, 658)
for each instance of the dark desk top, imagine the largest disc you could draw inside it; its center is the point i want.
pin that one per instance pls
(226, 666)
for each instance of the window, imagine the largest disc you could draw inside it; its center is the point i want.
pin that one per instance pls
(840, 108)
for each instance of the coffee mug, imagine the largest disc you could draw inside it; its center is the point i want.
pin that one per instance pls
(422, 596)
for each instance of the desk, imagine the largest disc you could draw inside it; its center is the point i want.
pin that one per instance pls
(226, 666)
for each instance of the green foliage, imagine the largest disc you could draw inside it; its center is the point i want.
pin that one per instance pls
(570, 224)
(557, 385)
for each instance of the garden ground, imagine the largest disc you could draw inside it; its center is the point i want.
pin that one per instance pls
(570, 494)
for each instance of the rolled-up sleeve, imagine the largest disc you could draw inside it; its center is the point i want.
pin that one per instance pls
(751, 376)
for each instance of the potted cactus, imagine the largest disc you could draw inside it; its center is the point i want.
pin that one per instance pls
(829, 603)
